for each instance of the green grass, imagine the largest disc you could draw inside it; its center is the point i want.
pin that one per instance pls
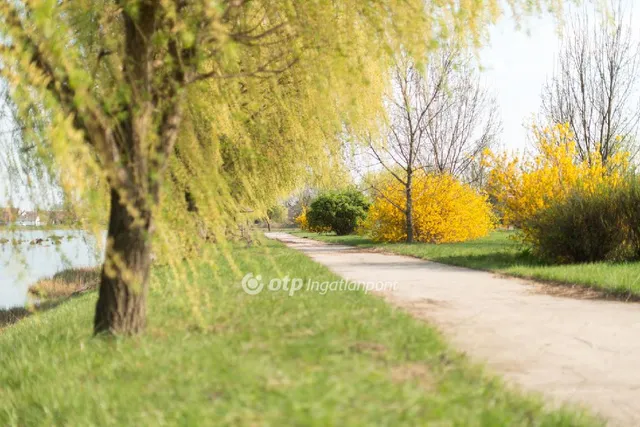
(499, 252)
(214, 355)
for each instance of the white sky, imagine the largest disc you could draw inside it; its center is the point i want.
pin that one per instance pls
(516, 65)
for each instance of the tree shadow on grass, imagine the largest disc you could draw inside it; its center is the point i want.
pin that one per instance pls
(51, 292)
(13, 315)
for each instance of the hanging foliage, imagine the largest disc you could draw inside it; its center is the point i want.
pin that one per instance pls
(179, 116)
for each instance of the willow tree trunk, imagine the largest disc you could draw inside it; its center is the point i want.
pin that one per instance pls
(121, 307)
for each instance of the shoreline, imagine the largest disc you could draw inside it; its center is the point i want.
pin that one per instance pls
(14, 227)
(50, 292)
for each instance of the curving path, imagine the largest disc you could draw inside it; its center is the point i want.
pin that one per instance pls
(585, 352)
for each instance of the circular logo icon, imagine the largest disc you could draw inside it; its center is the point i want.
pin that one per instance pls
(252, 285)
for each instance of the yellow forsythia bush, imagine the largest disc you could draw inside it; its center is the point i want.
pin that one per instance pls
(444, 210)
(303, 223)
(522, 188)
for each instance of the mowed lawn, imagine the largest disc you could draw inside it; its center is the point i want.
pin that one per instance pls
(500, 252)
(214, 355)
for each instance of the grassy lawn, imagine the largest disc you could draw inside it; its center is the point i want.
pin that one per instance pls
(500, 253)
(214, 355)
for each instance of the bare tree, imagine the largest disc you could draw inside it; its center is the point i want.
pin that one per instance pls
(409, 109)
(594, 89)
(440, 120)
(464, 121)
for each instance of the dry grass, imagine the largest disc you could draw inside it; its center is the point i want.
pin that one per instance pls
(66, 284)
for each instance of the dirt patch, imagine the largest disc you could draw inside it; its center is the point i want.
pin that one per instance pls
(423, 308)
(367, 346)
(413, 372)
(427, 302)
(568, 290)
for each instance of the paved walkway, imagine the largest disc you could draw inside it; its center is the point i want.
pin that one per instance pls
(576, 350)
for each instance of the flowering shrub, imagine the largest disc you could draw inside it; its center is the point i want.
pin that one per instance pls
(444, 210)
(301, 220)
(303, 223)
(522, 188)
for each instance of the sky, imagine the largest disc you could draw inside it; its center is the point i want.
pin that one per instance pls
(516, 64)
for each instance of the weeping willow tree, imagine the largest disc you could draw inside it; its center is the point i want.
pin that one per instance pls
(182, 106)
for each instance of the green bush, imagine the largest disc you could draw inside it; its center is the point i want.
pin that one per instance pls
(629, 200)
(587, 227)
(338, 210)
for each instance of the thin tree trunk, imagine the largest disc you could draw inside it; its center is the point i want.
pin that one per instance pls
(409, 210)
(121, 307)
(191, 202)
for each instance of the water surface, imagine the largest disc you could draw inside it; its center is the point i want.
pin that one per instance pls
(30, 255)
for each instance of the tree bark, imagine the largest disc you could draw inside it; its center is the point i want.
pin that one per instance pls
(409, 208)
(191, 202)
(121, 307)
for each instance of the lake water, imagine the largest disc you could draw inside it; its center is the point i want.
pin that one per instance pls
(24, 263)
